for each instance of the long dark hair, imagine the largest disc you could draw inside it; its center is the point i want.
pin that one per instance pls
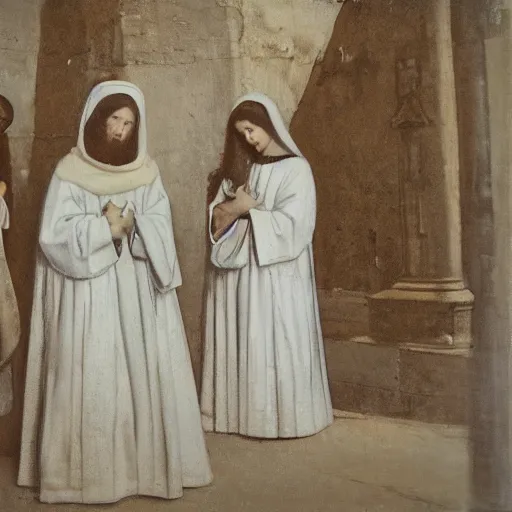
(95, 134)
(239, 156)
(6, 114)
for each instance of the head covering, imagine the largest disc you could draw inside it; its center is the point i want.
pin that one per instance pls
(103, 179)
(275, 118)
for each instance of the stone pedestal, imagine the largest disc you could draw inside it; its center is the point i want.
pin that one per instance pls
(423, 313)
(429, 305)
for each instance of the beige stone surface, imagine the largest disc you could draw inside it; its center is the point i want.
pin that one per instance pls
(363, 362)
(344, 122)
(192, 59)
(186, 108)
(344, 313)
(277, 44)
(19, 45)
(424, 373)
(360, 464)
(424, 384)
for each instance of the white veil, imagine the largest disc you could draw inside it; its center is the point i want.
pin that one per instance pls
(275, 118)
(101, 91)
(104, 179)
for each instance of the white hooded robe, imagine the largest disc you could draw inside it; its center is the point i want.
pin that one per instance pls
(111, 408)
(264, 372)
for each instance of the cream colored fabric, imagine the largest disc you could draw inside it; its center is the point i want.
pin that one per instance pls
(264, 372)
(99, 178)
(111, 408)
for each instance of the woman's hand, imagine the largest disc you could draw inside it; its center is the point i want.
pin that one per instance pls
(224, 214)
(3, 188)
(243, 201)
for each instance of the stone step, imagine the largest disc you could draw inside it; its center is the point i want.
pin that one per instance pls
(406, 381)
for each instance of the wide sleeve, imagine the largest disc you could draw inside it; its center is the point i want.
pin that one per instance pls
(75, 239)
(282, 233)
(231, 250)
(153, 238)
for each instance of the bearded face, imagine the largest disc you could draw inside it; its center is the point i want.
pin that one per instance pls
(112, 139)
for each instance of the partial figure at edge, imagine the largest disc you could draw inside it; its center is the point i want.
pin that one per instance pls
(9, 312)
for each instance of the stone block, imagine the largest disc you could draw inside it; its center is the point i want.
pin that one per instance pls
(17, 84)
(409, 382)
(343, 314)
(450, 409)
(429, 373)
(424, 317)
(362, 362)
(19, 26)
(366, 399)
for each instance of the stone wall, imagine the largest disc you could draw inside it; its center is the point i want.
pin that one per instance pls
(275, 45)
(19, 45)
(192, 59)
(344, 125)
(378, 123)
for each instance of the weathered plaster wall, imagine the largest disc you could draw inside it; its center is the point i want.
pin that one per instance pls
(19, 44)
(344, 124)
(275, 45)
(58, 50)
(193, 59)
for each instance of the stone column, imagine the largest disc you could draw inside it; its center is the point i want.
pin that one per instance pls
(429, 305)
(486, 54)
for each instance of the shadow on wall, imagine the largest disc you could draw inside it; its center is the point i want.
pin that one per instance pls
(63, 80)
(343, 125)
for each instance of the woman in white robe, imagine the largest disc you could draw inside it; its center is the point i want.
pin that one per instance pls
(111, 408)
(264, 372)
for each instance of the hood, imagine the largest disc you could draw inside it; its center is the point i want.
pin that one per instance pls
(275, 118)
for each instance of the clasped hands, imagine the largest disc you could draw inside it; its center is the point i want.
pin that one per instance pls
(119, 225)
(242, 201)
(227, 212)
